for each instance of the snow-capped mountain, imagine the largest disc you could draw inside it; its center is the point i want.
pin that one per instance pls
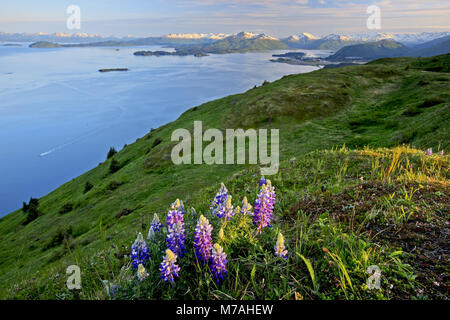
(309, 41)
(304, 40)
(301, 41)
(414, 39)
(251, 35)
(309, 36)
(337, 41)
(55, 37)
(410, 39)
(212, 36)
(338, 37)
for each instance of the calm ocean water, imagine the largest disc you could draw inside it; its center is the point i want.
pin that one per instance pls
(59, 115)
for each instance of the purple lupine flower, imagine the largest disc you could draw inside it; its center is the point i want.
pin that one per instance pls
(246, 207)
(264, 203)
(203, 239)
(139, 252)
(156, 225)
(226, 209)
(429, 152)
(280, 249)
(218, 263)
(219, 199)
(262, 181)
(176, 232)
(169, 268)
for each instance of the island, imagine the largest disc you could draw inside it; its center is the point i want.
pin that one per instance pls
(178, 52)
(113, 69)
(45, 44)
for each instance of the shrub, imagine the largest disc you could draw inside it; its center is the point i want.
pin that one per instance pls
(66, 208)
(88, 186)
(114, 166)
(124, 212)
(80, 229)
(430, 103)
(60, 235)
(31, 209)
(113, 185)
(156, 142)
(111, 153)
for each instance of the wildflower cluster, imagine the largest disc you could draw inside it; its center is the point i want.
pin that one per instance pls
(176, 231)
(139, 252)
(169, 269)
(218, 263)
(264, 203)
(203, 240)
(205, 252)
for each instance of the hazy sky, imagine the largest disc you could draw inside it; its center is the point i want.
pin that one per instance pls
(274, 17)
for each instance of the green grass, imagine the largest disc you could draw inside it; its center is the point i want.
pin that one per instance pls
(382, 104)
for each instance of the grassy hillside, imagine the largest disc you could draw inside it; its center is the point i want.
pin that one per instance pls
(382, 104)
(372, 51)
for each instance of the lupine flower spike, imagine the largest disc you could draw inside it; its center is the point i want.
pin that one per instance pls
(139, 252)
(156, 225)
(176, 232)
(219, 199)
(221, 235)
(169, 268)
(264, 203)
(280, 249)
(203, 240)
(429, 152)
(262, 181)
(218, 263)
(151, 234)
(141, 273)
(178, 205)
(226, 210)
(246, 207)
(111, 288)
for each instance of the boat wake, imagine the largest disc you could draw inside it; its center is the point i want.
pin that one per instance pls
(90, 133)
